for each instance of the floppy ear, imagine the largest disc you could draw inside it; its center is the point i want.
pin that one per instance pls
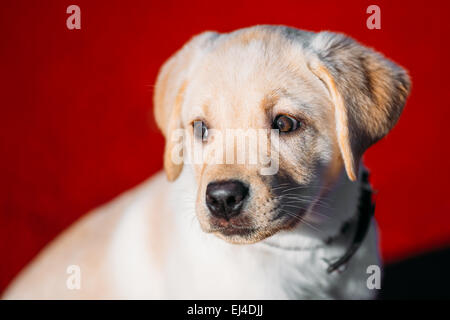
(368, 91)
(170, 86)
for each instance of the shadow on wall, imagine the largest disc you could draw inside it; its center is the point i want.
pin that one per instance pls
(426, 276)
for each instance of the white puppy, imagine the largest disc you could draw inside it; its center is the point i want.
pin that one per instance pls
(231, 230)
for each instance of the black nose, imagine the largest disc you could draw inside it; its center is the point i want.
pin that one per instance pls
(225, 198)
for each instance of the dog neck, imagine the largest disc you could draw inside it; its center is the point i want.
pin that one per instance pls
(332, 222)
(359, 222)
(303, 253)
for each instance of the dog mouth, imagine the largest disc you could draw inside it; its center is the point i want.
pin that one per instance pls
(251, 227)
(235, 231)
(237, 228)
(232, 227)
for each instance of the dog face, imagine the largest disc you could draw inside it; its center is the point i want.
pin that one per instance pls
(324, 97)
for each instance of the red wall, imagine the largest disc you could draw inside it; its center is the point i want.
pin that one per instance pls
(76, 128)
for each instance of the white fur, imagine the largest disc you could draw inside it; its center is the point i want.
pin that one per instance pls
(195, 265)
(200, 265)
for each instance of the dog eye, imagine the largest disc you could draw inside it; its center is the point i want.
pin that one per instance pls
(285, 123)
(200, 130)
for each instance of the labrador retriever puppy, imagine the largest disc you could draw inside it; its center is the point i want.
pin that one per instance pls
(222, 229)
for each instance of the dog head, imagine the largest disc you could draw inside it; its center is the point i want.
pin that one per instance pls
(324, 97)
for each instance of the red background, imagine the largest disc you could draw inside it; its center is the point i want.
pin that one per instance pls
(76, 125)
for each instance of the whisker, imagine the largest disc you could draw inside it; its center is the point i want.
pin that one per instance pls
(300, 201)
(306, 199)
(307, 187)
(301, 220)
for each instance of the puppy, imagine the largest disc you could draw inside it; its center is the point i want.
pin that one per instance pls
(211, 229)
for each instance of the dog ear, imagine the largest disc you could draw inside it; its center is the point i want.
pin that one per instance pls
(170, 87)
(368, 92)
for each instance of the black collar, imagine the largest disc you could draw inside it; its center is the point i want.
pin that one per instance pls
(366, 210)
